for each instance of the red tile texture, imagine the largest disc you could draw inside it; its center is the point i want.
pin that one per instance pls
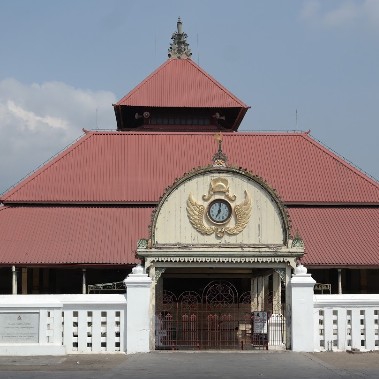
(338, 236)
(181, 83)
(123, 167)
(115, 172)
(333, 236)
(71, 235)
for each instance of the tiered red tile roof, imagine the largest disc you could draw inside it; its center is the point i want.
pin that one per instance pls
(91, 203)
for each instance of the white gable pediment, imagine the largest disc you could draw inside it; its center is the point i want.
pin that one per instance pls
(223, 207)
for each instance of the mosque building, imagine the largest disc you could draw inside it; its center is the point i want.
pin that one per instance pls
(216, 216)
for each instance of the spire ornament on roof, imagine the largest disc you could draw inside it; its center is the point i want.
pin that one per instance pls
(179, 48)
(219, 159)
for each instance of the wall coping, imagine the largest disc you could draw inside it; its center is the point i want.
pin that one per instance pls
(346, 300)
(58, 301)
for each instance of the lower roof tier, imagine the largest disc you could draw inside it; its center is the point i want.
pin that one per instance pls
(108, 235)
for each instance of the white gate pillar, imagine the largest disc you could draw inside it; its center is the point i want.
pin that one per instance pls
(302, 325)
(138, 287)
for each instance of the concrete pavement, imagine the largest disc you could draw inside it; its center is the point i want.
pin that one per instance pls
(195, 365)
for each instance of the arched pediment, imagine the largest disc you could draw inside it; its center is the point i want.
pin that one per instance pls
(220, 206)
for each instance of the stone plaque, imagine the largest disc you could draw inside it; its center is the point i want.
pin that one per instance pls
(19, 327)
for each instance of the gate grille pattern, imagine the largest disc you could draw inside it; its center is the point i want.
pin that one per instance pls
(217, 319)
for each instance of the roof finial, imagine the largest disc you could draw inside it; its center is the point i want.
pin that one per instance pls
(179, 48)
(219, 159)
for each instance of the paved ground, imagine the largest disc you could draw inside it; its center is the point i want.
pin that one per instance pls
(178, 365)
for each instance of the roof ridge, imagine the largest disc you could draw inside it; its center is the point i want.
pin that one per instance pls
(45, 166)
(232, 133)
(341, 159)
(218, 84)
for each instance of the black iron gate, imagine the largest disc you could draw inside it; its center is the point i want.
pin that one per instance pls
(219, 318)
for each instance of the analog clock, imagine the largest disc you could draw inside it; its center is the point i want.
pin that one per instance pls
(219, 211)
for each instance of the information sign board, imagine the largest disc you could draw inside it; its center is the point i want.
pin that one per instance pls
(260, 322)
(19, 328)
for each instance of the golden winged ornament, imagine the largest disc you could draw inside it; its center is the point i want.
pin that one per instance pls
(242, 212)
(196, 212)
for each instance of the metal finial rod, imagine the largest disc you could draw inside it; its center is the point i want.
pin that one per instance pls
(179, 26)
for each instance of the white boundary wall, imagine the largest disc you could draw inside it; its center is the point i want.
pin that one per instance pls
(75, 324)
(346, 322)
(62, 324)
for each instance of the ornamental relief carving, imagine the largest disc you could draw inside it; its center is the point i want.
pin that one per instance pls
(215, 216)
(163, 259)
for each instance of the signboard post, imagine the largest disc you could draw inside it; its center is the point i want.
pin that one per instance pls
(259, 328)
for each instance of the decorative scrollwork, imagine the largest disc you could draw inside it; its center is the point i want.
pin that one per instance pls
(142, 244)
(168, 297)
(245, 298)
(189, 300)
(297, 241)
(158, 272)
(220, 294)
(215, 259)
(282, 274)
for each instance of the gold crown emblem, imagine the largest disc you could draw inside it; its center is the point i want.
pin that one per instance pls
(219, 185)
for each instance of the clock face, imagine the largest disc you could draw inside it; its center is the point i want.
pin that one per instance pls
(219, 211)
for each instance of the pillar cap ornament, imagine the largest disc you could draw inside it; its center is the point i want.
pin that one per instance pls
(301, 270)
(179, 48)
(137, 270)
(301, 278)
(137, 278)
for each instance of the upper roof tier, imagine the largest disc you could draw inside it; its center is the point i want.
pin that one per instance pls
(179, 96)
(182, 89)
(181, 83)
(117, 167)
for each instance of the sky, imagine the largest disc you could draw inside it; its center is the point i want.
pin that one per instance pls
(300, 65)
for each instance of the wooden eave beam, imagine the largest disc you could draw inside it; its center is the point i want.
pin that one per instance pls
(241, 115)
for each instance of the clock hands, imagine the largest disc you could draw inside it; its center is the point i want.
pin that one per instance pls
(219, 209)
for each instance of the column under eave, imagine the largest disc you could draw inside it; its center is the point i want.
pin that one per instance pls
(84, 281)
(14, 280)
